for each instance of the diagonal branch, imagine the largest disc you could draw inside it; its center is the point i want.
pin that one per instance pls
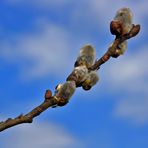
(28, 118)
(53, 101)
(112, 49)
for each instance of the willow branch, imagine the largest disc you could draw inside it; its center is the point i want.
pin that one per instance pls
(51, 100)
(28, 118)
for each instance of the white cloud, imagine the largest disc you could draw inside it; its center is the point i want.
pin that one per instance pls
(39, 54)
(38, 135)
(93, 13)
(128, 78)
(40, 3)
(133, 109)
(103, 7)
(99, 10)
(130, 73)
(102, 12)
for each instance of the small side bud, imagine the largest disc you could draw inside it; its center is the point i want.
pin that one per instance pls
(86, 56)
(64, 92)
(48, 95)
(135, 30)
(91, 79)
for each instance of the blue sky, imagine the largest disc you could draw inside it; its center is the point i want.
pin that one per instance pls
(39, 42)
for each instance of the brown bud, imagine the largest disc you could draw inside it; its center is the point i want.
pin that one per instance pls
(135, 30)
(48, 94)
(116, 28)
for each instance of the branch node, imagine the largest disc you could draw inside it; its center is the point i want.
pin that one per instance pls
(19, 116)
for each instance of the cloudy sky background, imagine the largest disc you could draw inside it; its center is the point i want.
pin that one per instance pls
(39, 42)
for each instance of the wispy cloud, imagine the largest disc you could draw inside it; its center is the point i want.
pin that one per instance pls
(128, 78)
(133, 109)
(40, 3)
(92, 10)
(41, 53)
(101, 8)
(38, 135)
(130, 72)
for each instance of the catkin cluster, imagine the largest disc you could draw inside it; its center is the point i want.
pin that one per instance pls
(120, 26)
(80, 76)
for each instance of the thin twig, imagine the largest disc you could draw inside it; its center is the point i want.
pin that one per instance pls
(28, 118)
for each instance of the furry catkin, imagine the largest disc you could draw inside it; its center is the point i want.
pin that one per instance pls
(86, 56)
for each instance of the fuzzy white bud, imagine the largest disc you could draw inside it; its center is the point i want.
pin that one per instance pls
(65, 91)
(125, 17)
(91, 79)
(78, 74)
(86, 56)
(122, 47)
